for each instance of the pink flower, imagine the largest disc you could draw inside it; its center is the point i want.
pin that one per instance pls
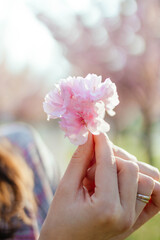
(80, 103)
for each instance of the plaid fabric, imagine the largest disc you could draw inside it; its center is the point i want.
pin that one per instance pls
(25, 139)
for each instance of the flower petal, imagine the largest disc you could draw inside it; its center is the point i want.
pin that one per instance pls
(81, 104)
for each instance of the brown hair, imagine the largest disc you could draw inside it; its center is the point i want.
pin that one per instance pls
(16, 191)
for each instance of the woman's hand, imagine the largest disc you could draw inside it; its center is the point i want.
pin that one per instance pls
(109, 209)
(153, 207)
(148, 210)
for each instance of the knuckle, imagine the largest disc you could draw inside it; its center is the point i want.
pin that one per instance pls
(147, 183)
(150, 182)
(156, 173)
(134, 158)
(133, 167)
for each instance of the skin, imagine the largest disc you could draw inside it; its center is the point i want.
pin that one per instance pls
(94, 202)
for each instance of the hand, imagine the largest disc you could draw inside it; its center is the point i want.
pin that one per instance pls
(143, 167)
(110, 211)
(120, 153)
(153, 207)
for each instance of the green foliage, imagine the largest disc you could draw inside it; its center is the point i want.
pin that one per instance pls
(131, 139)
(149, 231)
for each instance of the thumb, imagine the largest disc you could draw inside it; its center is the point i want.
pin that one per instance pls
(77, 168)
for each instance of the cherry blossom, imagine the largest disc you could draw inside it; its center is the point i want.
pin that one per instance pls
(81, 103)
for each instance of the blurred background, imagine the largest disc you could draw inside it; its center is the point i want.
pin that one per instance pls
(42, 41)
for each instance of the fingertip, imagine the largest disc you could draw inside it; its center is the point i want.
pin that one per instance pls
(90, 138)
(102, 139)
(99, 137)
(89, 141)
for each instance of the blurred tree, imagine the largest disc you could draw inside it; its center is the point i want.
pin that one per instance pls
(122, 43)
(118, 38)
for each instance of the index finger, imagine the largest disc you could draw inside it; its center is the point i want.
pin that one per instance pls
(143, 167)
(106, 182)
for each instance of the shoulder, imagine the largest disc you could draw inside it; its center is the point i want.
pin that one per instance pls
(33, 148)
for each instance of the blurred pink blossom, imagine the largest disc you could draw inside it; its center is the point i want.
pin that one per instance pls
(81, 103)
